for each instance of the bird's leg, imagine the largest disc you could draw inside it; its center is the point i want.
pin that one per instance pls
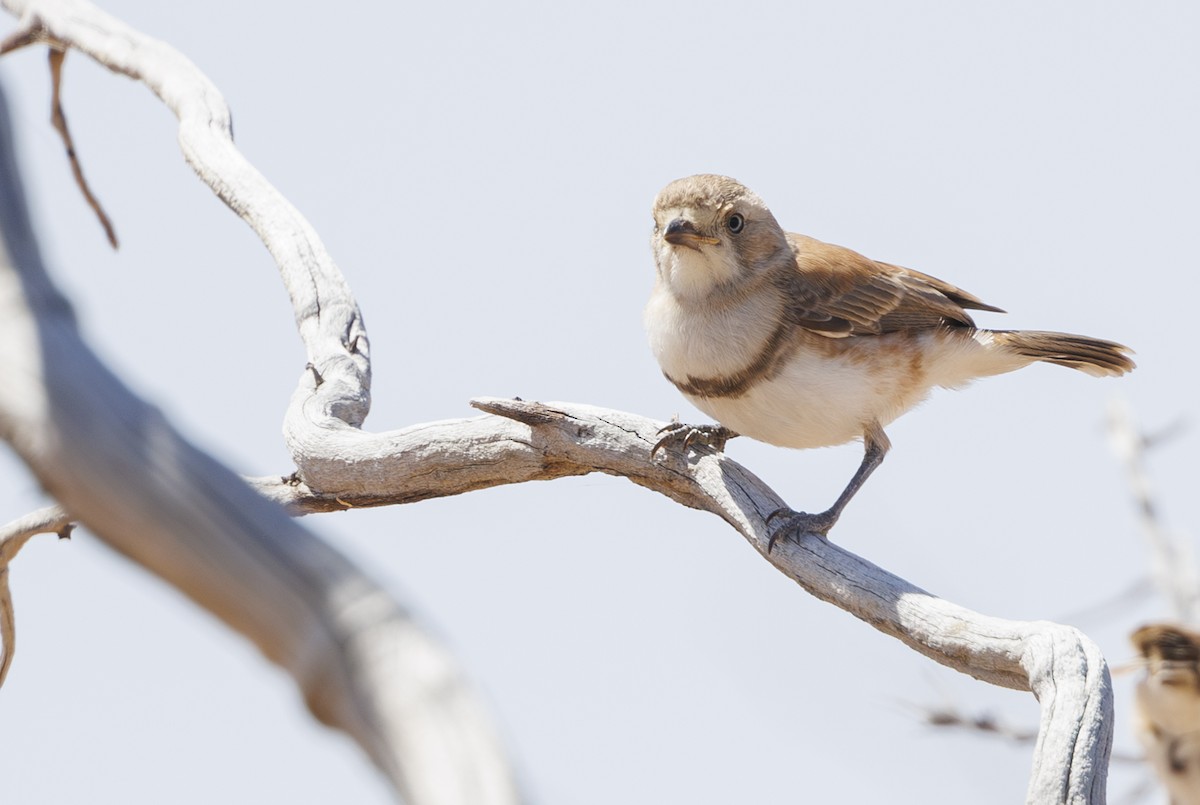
(875, 447)
(714, 436)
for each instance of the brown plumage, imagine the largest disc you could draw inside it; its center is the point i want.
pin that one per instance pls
(1095, 356)
(801, 343)
(1167, 707)
(836, 291)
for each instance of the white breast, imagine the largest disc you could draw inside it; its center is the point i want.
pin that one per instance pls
(699, 341)
(818, 401)
(830, 390)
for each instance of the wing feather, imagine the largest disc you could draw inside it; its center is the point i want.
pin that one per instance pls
(838, 292)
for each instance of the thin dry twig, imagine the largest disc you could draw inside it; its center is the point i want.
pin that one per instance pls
(58, 118)
(980, 722)
(988, 724)
(1171, 559)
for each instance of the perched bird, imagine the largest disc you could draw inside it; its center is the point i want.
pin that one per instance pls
(800, 343)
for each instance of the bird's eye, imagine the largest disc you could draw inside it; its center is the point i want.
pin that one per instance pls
(736, 223)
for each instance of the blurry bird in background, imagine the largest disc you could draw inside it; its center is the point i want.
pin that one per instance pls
(1168, 707)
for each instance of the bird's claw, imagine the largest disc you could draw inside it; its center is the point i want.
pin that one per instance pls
(715, 436)
(795, 523)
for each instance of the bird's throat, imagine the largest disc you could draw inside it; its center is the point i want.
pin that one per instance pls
(695, 274)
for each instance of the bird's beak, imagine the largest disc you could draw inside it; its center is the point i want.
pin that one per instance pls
(681, 232)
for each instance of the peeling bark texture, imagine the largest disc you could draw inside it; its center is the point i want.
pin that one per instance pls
(274, 576)
(528, 441)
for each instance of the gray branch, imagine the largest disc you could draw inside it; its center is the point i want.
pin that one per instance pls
(527, 441)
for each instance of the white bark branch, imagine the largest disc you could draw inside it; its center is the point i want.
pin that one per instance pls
(1060, 665)
(327, 315)
(13, 536)
(361, 662)
(340, 465)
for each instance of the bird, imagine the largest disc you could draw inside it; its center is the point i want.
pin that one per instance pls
(799, 343)
(1167, 706)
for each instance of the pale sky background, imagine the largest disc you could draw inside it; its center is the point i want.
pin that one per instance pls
(483, 174)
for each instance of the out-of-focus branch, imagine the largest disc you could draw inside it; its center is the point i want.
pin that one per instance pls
(1172, 563)
(1168, 693)
(984, 723)
(115, 462)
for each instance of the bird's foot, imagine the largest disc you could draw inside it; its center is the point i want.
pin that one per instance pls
(793, 523)
(715, 436)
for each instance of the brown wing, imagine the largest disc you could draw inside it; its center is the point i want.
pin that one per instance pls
(838, 292)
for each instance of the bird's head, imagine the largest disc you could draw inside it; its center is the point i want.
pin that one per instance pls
(712, 233)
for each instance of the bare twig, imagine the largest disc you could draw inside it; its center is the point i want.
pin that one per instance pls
(58, 118)
(980, 722)
(1172, 562)
(987, 724)
(13, 536)
(48, 520)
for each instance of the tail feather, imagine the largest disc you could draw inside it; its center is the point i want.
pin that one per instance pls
(1092, 355)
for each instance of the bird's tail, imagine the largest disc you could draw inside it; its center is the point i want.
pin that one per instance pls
(1095, 356)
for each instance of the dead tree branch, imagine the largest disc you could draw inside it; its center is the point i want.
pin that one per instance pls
(361, 661)
(13, 536)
